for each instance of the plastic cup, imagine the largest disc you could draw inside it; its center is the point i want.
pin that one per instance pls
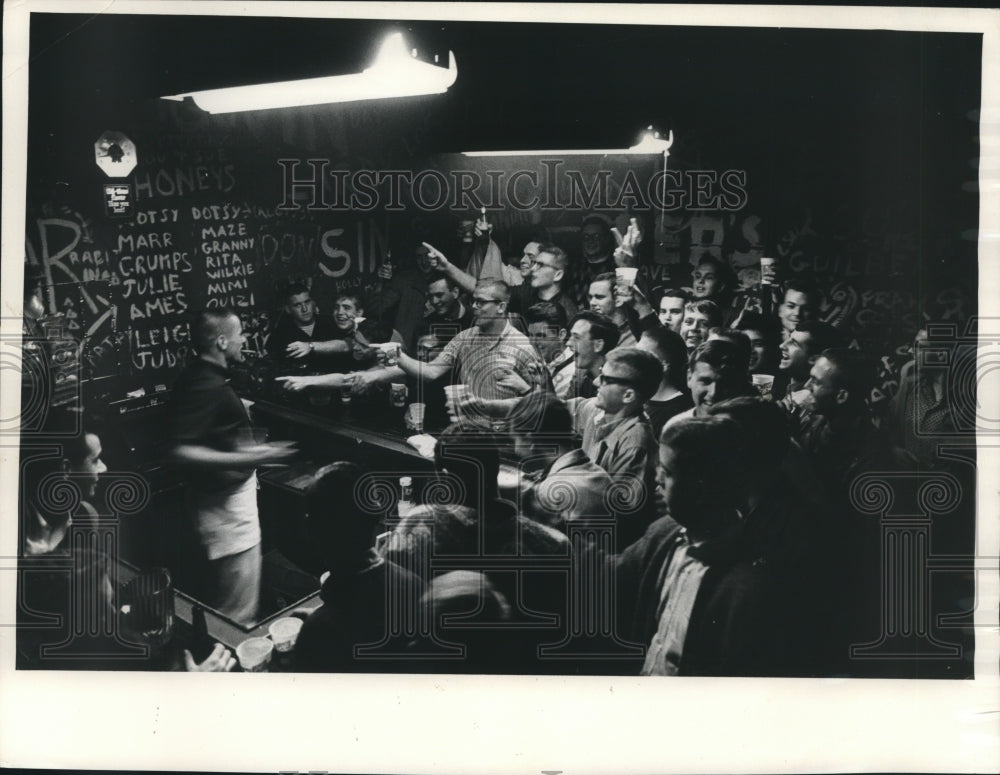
(453, 394)
(763, 383)
(254, 654)
(397, 394)
(284, 633)
(391, 352)
(766, 270)
(625, 276)
(346, 392)
(414, 417)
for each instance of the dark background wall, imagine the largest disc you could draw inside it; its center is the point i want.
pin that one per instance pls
(859, 150)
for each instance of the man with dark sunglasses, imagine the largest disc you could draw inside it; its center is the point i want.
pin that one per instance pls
(617, 435)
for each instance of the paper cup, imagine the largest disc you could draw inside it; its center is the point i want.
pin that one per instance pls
(766, 270)
(625, 276)
(254, 654)
(284, 633)
(391, 352)
(414, 417)
(763, 383)
(453, 393)
(397, 394)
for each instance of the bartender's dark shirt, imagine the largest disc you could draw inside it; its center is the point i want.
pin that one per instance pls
(205, 410)
(324, 329)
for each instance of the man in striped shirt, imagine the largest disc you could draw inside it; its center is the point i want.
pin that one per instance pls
(483, 357)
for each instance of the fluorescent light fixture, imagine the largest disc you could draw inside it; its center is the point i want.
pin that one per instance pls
(394, 73)
(651, 142)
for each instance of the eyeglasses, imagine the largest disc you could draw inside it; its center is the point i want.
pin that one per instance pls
(478, 302)
(536, 264)
(604, 379)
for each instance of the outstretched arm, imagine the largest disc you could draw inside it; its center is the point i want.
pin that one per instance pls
(245, 457)
(425, 371)
(295, 384)
(463, 280)
(329, 347)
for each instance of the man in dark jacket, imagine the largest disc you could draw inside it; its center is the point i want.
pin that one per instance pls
(302, 337)
(684, 588)
(362, 592)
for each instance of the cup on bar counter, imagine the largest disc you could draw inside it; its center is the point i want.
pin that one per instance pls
(414, 417)
(397, 394)
(284, 632)
(254, 654)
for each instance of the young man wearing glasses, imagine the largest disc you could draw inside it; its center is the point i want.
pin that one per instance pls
(548, 272)
(544, 283)
(492, 358)
(618, 437)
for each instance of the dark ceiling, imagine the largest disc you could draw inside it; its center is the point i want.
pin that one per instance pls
(523, 84)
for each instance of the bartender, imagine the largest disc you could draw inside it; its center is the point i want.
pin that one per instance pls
(310, 341)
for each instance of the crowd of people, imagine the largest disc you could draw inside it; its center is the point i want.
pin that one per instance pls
(735, 545)
(685, 463)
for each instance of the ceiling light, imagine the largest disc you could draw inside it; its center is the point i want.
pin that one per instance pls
(394, 73)
(651, 142)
